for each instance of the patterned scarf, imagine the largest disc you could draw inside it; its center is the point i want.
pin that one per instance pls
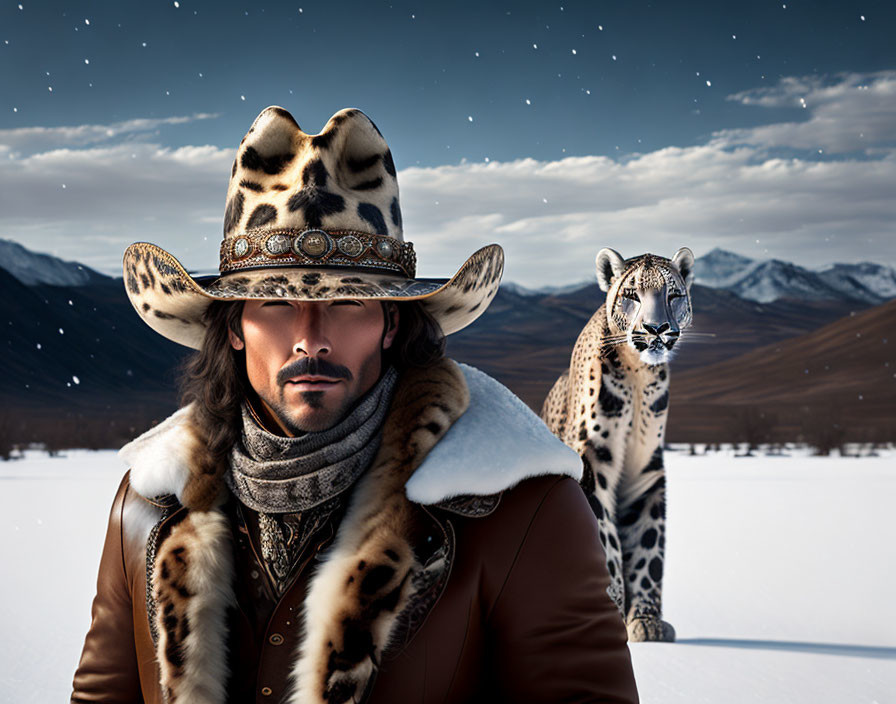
(273, 474)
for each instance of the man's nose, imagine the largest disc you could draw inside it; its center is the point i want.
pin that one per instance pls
(309, 332)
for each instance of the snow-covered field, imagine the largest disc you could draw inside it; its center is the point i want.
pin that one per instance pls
(780, 577)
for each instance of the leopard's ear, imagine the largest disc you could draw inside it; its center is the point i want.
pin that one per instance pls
(610, 264)
(683, 260)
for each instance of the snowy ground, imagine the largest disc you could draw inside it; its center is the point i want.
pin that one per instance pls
(779, 579)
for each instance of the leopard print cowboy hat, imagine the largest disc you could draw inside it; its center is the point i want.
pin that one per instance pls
(308, 217)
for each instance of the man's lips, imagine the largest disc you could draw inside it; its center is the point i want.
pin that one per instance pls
(312, 382)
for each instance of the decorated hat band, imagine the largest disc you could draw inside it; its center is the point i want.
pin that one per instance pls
(315, 247)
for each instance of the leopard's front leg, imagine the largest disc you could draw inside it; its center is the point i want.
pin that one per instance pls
(642, 533)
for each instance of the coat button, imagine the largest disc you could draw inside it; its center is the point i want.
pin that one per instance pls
(267, 691)
(275, 639)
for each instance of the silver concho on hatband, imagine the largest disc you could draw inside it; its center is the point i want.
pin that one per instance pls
(277, 244)
(312, 243)
(350, 246)
(241, 247)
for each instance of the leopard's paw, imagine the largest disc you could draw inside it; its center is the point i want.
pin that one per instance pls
(650, 629)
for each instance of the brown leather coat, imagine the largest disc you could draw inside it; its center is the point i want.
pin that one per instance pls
(422, 598)
(524, 616)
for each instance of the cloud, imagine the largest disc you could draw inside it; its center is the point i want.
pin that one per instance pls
(846, 113)
(551, 216)
(88, 204)
(33, 139)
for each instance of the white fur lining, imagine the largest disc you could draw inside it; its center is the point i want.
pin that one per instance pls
(494, 446)
(160, 458)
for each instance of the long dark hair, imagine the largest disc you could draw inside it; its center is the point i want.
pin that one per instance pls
(214, 380)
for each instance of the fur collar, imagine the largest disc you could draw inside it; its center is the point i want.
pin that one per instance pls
(497, 443)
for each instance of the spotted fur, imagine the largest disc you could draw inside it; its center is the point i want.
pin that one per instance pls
(611, 407)
(192, 589)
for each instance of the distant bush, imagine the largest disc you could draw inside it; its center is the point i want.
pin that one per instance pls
(6, 434)
(823, 429)
(754, 427)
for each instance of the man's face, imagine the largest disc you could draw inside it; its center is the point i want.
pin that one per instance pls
(310, 361)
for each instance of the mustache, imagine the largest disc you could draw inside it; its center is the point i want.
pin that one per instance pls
(312, 366)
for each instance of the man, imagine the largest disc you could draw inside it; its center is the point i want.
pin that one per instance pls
(339, 513)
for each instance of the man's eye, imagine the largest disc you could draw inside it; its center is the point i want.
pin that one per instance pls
(347, 303)
(631, 295)
(673, 296)
(274, 303)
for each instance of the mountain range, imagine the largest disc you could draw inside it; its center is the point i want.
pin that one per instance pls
(76, 354)
(769, 280)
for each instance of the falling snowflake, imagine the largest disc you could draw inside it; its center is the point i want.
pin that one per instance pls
(86, 21)
(38, 345)
(176, 3)
(76, 379)
(535, 46)
(470, 118)
(709, 83)
(614, 57)
(61, 331)
(573, 51)
(528, 102)
(242, 97)
(600, 27)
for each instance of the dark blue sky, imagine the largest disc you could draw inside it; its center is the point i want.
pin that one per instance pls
(413, 67)
(696, 122)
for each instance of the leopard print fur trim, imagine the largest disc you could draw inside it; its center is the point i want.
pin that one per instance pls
(354, 604)
(192, 588)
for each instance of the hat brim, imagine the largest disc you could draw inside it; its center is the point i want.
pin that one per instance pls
(173, 303)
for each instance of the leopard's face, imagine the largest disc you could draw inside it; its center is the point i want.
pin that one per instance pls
(649, 304)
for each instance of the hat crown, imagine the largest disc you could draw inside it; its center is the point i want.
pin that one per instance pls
(340, 185)
(343, 178)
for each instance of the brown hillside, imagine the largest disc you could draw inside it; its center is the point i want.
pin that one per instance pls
(839, 380)
(525, 342)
